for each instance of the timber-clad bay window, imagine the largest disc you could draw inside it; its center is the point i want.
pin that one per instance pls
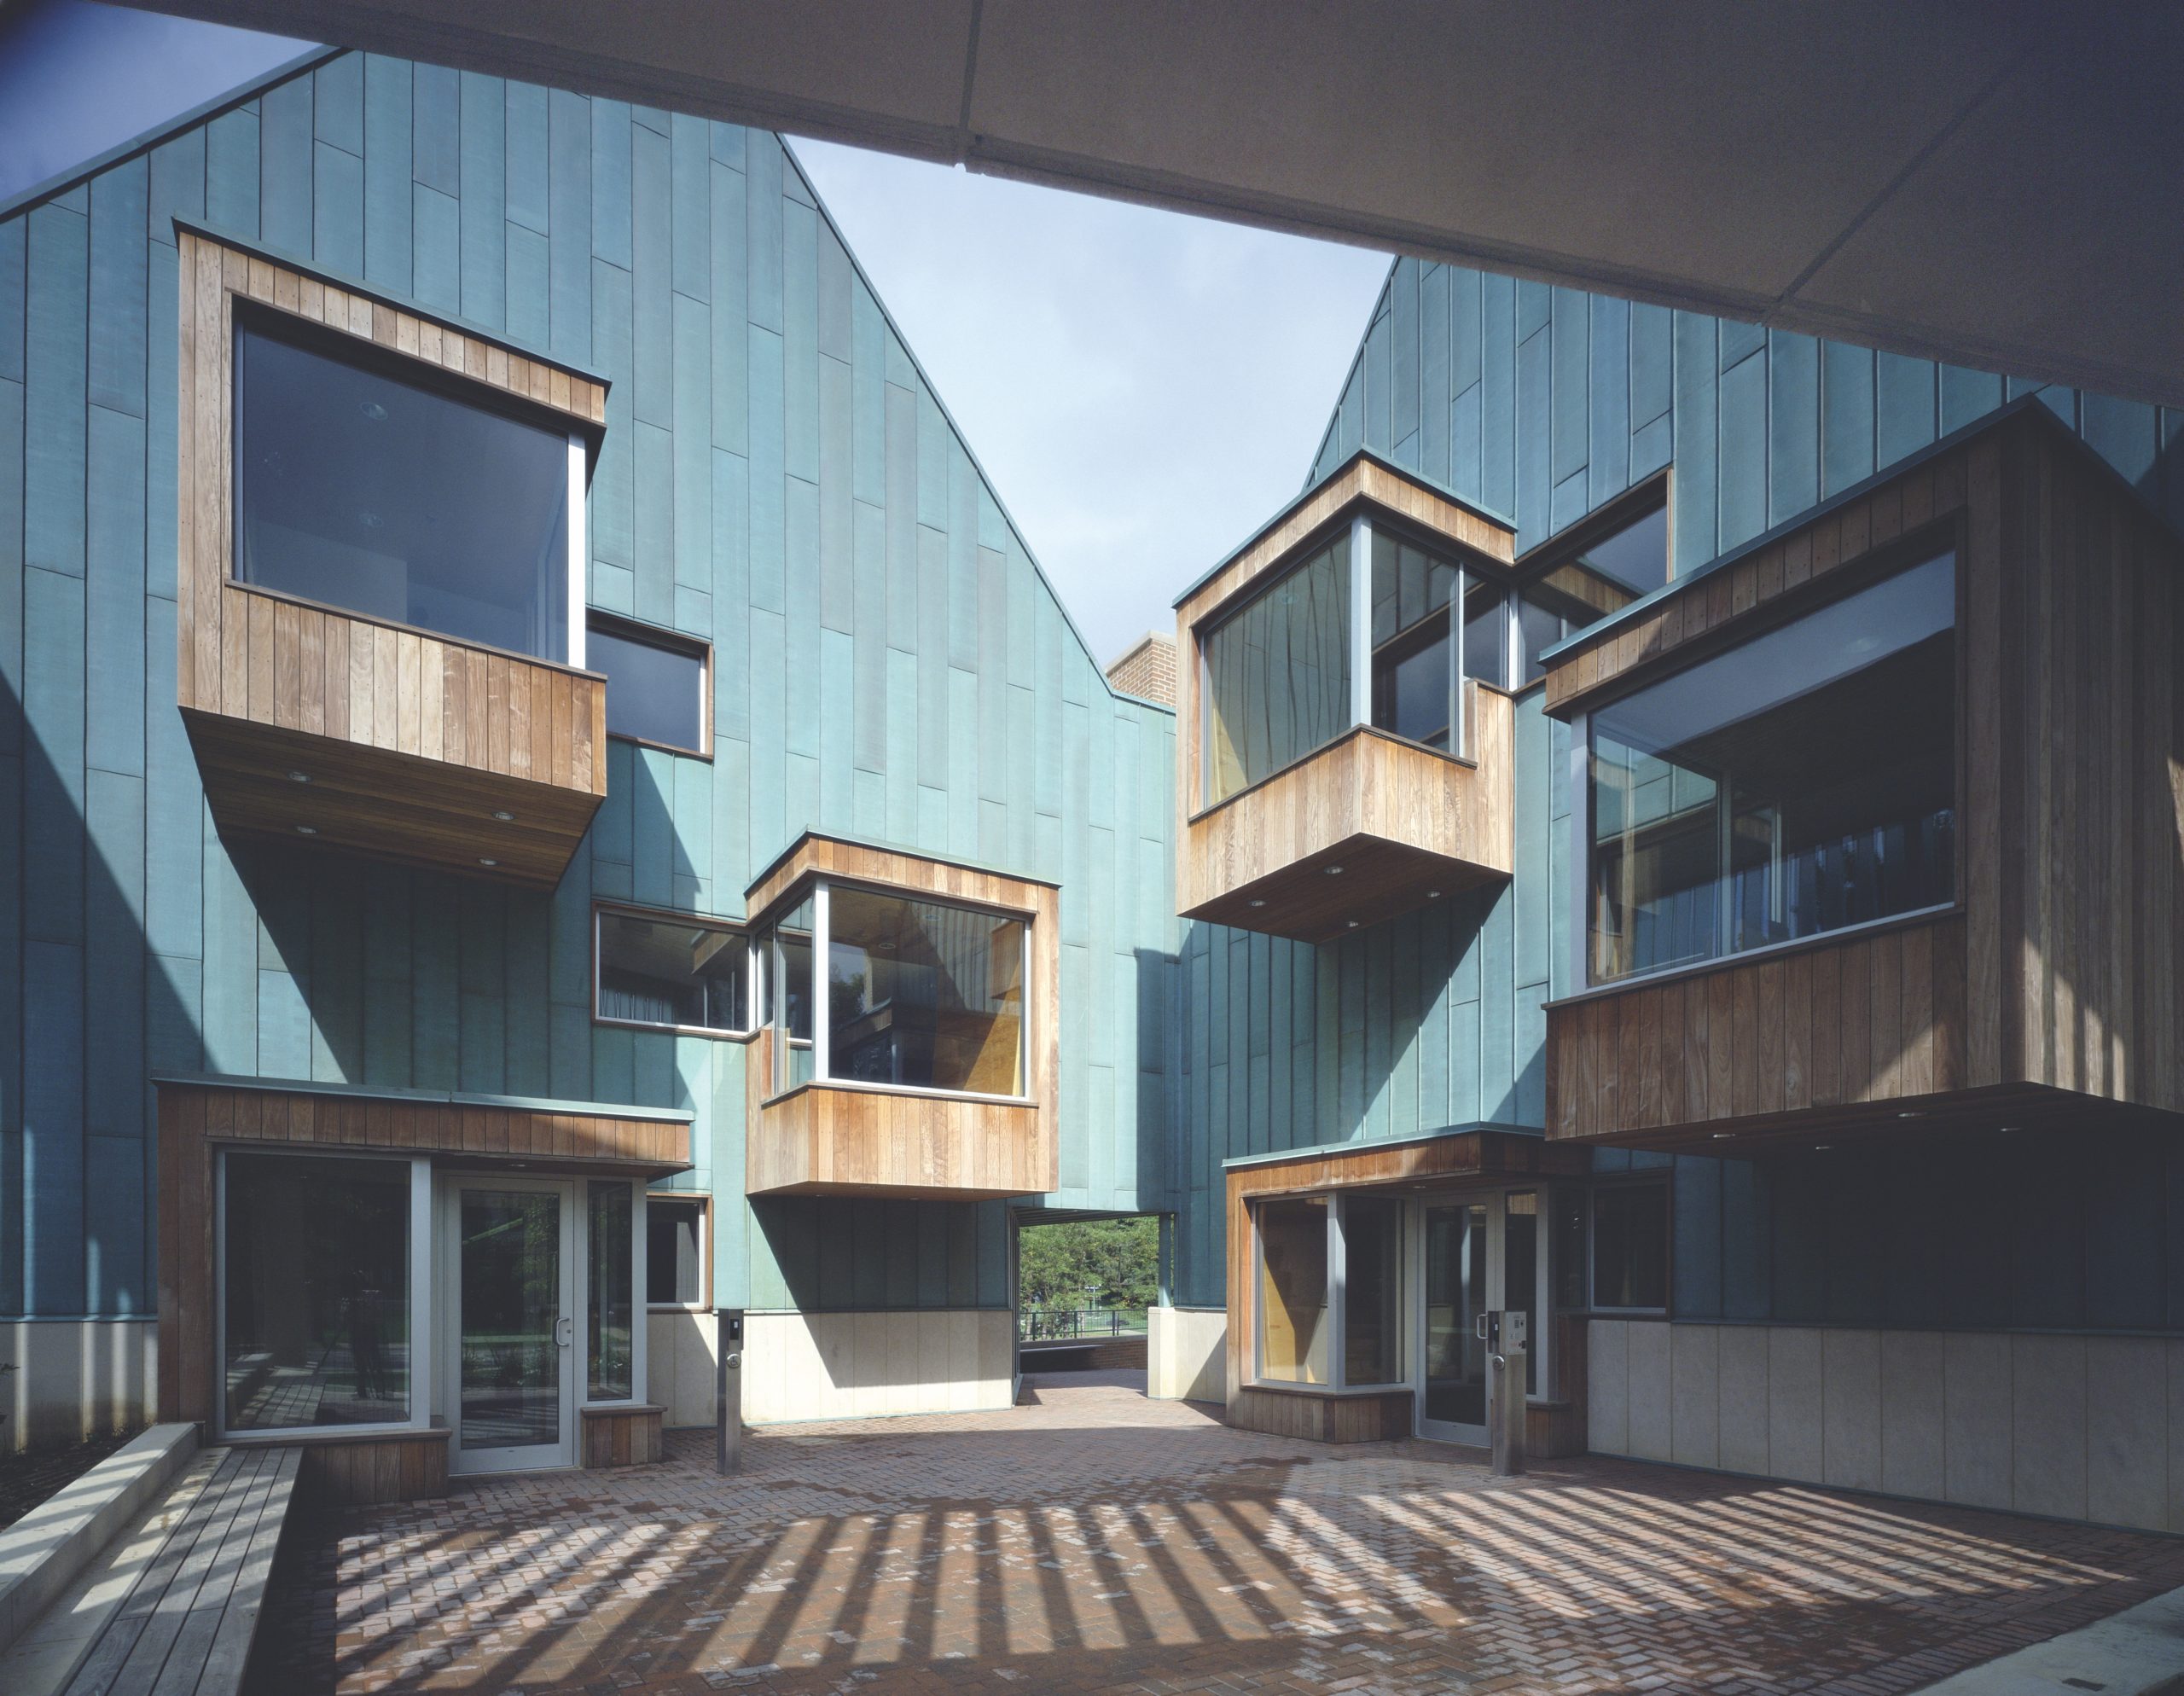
(1277, 675)
(1801, 782)
(908, 1039)
(1331, 1281)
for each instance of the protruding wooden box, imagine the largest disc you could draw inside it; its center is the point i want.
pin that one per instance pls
(2049, 993)
(313, 724)
(622, 1436)
(838, 1138)
(1369, 825)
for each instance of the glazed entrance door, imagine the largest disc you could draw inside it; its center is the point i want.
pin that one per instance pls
(513, 1286)
(1462, 1280)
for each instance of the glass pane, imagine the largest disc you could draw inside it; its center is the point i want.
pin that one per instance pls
(1277, 676)
(609, 1365)
(1520, 1274)
(668, 972)
(1455, 1295)
(655, 693)
(1293, 1291)
(1486, 634)
(1411, 652)
(316, 1275)
(673, 1253)
(1568, 1266)
(1636, 556)
(388, 496)
(924, 994)
(790, 1010)
(1630, 1245)
(511, 1281)
(1372, 1297)
(1540, 626)
(1800, 783)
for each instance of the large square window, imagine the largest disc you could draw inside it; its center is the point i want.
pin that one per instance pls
(674, 972)
(655, 684)
(400, 495)
(924, 994)
(1800, 783)
(315, 1291)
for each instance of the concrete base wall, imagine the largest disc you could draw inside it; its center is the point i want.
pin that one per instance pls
(2076, 1427)
(682, 1366)
(838, 1366)
(1184, 1358)
(75, 1378)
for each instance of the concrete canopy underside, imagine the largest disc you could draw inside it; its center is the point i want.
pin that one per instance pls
(1982, 182)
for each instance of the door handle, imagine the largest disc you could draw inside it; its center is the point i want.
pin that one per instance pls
(564, 1332)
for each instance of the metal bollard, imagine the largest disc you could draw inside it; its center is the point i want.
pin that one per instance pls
(1509, 1333)
(727, 1394)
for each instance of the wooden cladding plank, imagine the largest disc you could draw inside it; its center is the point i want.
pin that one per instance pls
(1871, 1017)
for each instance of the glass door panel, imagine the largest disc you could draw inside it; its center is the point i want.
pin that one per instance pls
(1457, 1289)
(514, 1328)
(1520, 1285)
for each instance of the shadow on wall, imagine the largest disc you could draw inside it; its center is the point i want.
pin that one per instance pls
(1159, 1080)
(863, 1254)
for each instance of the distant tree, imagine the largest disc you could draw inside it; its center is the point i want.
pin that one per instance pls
(1090, 1263)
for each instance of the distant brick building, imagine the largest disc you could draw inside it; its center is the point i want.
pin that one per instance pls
(1148, 670)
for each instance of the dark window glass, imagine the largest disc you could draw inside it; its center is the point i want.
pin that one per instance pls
(670, 971)
(315, 1264)
(1520, 1274)
(1486, 634)
(924, 994)
(674, 1251)
(1412, 682)
(393, 499)
(1635, 556)
(789, 986)
(610, 1365)
(656, 689)
(1798, 784)
(1277, 676)
(1566, 1257)
(1630, 1245)
(1372, 1297)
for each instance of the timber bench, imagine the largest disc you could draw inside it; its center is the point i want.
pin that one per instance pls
(191, 1581)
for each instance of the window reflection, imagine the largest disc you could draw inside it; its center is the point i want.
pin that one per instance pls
(671, 973)
(1800, 783)
(789, 992)
(392, 498)
(1277, 676)
(610, 1335)
(923, 993)
(1636, 556)
(1372, 1299)
(1414, 693)
(1630, 1245)
(1294, 1290)
(655, 686)
(315, 1281)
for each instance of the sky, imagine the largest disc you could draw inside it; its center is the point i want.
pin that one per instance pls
(1143, 388)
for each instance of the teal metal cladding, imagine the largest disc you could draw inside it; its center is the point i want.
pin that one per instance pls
(778, 478)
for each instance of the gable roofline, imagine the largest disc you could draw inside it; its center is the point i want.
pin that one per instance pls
(144, 143)
(962, 437)
(1367, 455)
(1349, 372)
(2025, 406)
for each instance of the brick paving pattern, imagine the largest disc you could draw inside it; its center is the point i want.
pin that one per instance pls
(1094, 1541)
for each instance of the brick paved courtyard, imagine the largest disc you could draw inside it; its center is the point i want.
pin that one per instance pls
(1096, 1541)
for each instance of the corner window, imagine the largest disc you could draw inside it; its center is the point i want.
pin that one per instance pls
(315, 1289)
(1630, 1246)
(399, 496)
(1414, 655)
(675, 1251)
(674, 973)
(923, 993)
(656, 684)
(1800, 783)
(1277, 675)
(1293, 1330)
(789, 989)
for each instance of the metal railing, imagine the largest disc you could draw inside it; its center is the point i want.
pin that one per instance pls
(1079, 1324)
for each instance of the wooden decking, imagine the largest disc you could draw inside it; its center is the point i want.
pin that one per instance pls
(184, 1626)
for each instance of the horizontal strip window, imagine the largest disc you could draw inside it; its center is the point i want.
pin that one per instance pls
(1801, 783)
(671, 972)
(400, 495)
(658, 684)
(918, 995)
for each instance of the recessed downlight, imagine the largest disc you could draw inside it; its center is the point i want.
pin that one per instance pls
(299, 777)
(367, 521)
(1352, 924)
(1432, 895)
(487, 860)
(504, 815)
(373, 410)
(1821, 1147)
(1723, 1136)
(1913, 1113)
(1334, 871)
(1258, 901)
(307, 830)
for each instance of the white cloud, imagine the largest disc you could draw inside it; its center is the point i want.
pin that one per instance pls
(1144, 388)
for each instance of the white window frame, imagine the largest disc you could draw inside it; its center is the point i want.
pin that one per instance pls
(752, 979)
(422, 1330)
